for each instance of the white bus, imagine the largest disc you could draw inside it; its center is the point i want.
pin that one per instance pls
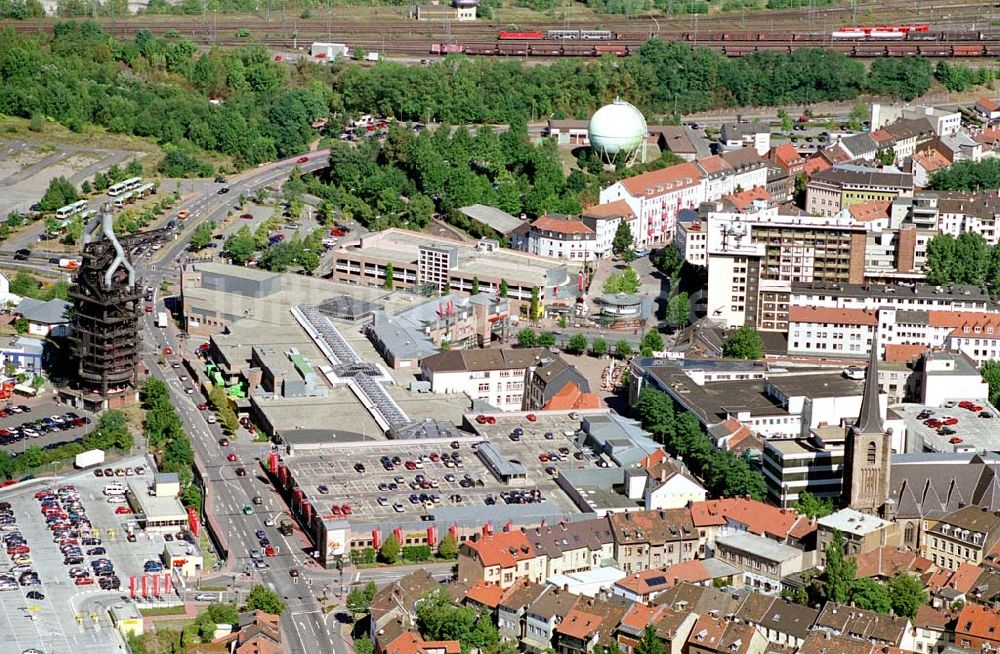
(122, 200)
(122, 187)
(144, 190)
(71, 209)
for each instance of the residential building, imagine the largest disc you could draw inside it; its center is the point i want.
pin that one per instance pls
(715, 635)
(787, 159)
(573, 546)
(494, 376)
(589, 625)
(988, 109)
(603, 220)
(398, 601)
(875, 628)
(964, 536)
(754, 136)
(411, 642)
(256, 632)
(884, 563)
(830, 191)
(933, 629)
(978, 628)
(672, 627)
(502, 558)
(560, 237)
(45, 318)
(656, 198)
(814, 463)
(513, 608)
(940, 121)
(543, 615)
(647, 585)
(781, 622)
(653, 539)
(551, 383)
(764, 562)
(568, 131)
(723, 517)
(862, 533)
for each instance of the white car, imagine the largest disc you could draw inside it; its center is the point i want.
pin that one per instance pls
(206, 597)
(116, 499)
(269, 522)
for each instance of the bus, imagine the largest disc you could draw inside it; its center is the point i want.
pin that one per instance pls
(144, 190)
(88, 214)
(71, 209)
(122, 200)
(122, 187)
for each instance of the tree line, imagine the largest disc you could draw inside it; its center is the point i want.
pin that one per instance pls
(968, 176)
(965, 259)
(167, 439)
(723, 473)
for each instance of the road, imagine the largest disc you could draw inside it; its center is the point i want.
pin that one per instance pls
(305, 625)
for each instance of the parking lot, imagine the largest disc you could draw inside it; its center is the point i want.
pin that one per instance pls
(971, 432)
(71, 617)
(20, 429)
(424, 481)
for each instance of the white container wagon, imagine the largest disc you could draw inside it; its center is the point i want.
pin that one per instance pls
(328, 51)
(89, 459)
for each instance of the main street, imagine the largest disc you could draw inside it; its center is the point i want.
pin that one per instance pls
(305, 625)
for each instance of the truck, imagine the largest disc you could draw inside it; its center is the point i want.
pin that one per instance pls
(89, 459)
(285, 527)
(69, 264)
(371, 56)
(327, 51)
(161, 319)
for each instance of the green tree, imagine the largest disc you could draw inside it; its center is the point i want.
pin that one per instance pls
(389, 552)
(475, 285)
(885, 156)
(622, 240)
(134, 168)
(241, 246)
(838, 573)
(599, 347)
(388, 283)
(743, 343)
(264, 599)
(360, 597)
(679, 309)
(990, 370)
(363, 645)
(85, 187)
(813, 507)
(439, 619)
(577, 344)
(202, 235)
(101, 182)
(623, 349)
(59, 193)
(527, 338)
(546, 340)
(21, 326)
(30, 458)
(448, 547)
(650, 642)
(907, 594)
(503, 288)
(37, 123)
(652, 341)
(870, 595)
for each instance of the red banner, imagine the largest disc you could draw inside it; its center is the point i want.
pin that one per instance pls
(131, 587)
(376, 538)
(193, 523)
(431, 536)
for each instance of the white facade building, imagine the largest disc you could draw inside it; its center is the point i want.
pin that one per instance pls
(492, 376)
(655, 199)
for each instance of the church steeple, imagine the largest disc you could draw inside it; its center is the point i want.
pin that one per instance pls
(870, 419)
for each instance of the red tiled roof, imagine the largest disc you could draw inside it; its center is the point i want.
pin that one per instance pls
(903, 353)
(787, 156)
(610, 210)
(692, 571)
(816, 164)
(745, 199)
(503, 548)
(956, 319)
(881, 136)
(987, 136)
(831, 315)
(639, 615)
(757, 517)
(964, 577)
(865, 212)
(979, 622)
(579, 624)
(891, 561)
(561, 225)
(486, 593)
(714, 164)
(570, 397)
(664, 180)
(988, 104)
(707, 632)
(931, 160)
(410, 642)
(987, 329)
(929, 617)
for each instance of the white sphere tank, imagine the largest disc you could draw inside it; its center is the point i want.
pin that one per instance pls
(616, 128)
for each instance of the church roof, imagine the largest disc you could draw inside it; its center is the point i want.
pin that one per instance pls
(869, 420)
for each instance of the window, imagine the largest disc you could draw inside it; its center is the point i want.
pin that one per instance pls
(871, 453)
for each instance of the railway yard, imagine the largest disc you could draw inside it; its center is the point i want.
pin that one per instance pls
(952, 28)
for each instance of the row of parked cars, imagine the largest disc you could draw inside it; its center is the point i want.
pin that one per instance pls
(39, 427)
(71, 530)
(19, 573)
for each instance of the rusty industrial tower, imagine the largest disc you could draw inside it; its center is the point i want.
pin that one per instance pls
(106, 302)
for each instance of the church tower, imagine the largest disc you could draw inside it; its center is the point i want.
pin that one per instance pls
(866, 458)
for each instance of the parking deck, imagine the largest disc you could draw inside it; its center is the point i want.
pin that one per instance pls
(972, 432)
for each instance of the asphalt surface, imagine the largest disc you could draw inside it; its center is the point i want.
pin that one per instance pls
(306, 627)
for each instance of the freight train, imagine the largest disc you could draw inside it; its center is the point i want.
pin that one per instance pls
(868, 49)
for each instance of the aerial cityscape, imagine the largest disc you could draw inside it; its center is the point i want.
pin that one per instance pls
(500, 326)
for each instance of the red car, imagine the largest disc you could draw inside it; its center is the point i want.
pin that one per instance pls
(965, 404)
(123, 510)
(531, 417)
(84, 581)
(43, 493)
(346, 509)
(203, 406)
(303, 159)
(232, 457)
(490, 420)
(933, 423)
(246, 216)
(149, 308)
(277, 57)
(949, 421)
(976, 409)
(481, 419)
(270, 551)
(19, 549)
(544, 458)
(954, 440)
(335, 510)
(337, 232)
